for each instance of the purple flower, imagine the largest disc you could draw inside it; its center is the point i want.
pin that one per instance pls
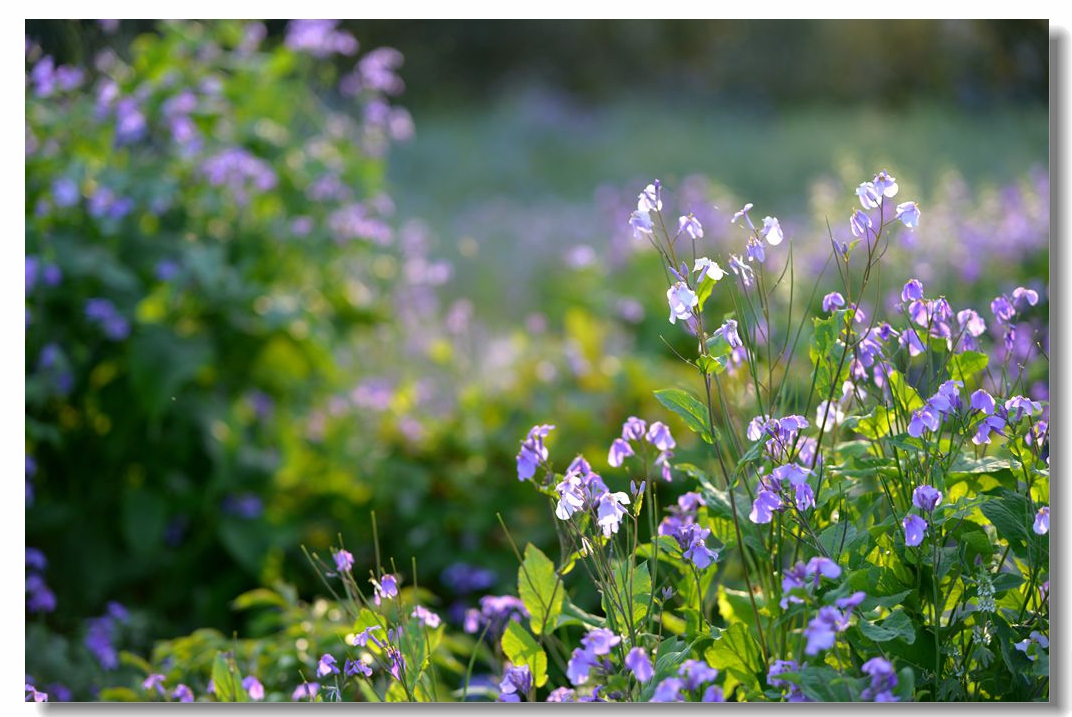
(640, 221)
(362, 638)
(495, 611)
(306, 690)
(743, 213)
(1020, 406)
(326, 666)
(912, 291)
(183, 693)
(914, 529)
(779, 667)
(426, 617)
(755, 251)
(533, 452)
(772, 231)
(600, 641)
(1020, 295)
(1002, 309)
(695, 673)
(859, 223)
(982, 401)
(821, 632)
(883, 680)
(386, 589)
(832, 301)
(619, 451)
(669, 690)
(741, 269)
(663, 461)
(869, 195)
(35, 559)
(65, 192)
(908, 213)
(651, 198)
(1042, 520)
(728, 331)
(885, 184)
(691, 226)
(924, 418)
(659, 436)
(763, 506)
(926, 498)
(698, 553)
(344, 561)
(353, 668)
(561, 694)
(516, 681)
(319, 38)
(154, 682)
(41, 598)
(253, 688)
(682, 299)
(634, 429)
(638, 663)
(580, 664)
(707, 268)
(851, 601)
(985, 426)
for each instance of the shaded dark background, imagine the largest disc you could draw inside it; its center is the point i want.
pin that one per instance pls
(969, 63)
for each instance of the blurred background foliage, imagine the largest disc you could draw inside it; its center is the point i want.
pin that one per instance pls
(310, 315)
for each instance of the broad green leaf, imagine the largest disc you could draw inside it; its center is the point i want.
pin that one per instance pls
(711, 365)
(671, 653)
(521, 648)
(897, 626)
(736, 651)
(540, 589)
(876, 424)
(689, 408)
(906, 396)
(963, 366)
(827, 351)
(824, 684)
(1012, 516)
(573, 615)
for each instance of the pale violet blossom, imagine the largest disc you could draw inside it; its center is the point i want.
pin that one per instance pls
(691, 226)
(682, 299)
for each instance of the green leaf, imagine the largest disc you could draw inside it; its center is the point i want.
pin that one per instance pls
(689, 408)
(703, 291)
(824, 684)
(1012, 517)
(227, 680)
(671, 653)
(540, 589)
(963, 366)
(877, 423)
(258, 597)
(735, 650)
(573, 615)
(711, 365)
(827, 351)
(897, 626)
(906, 685)
(906, 396)
(521, 648)
(118, 694)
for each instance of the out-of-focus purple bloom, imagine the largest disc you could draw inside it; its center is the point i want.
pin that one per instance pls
(306, 690)
(247, 506)
(926, 498)
(663, 461)
(65, 192)
(41, 599)
(516, 681)
(619, 451)
(253, 688)
(851, 601)
(832, 301)
(35, 559)
(779, 667)
(741, 270)
(772, 231)
(639, 664)
(821, 632)
(319, 38)
(600, 641)
(240, 171)
(580, 664)
(183, 693)
(32, 693)
(426, 617)
(691, 226)
(533, 452)
(362, 638)
(755, 251)
(1042, 520)
(166, 269)
(1021, 295)
(353, 668)
(154, 681)
(344, 561)
(669, 690)
(1032, 644)
(464, 578)
(634, 428)
(659, 436)
(908, 213)
(914, 529)
(682, 299)
(696, 673)
(495, 611)
(561, 694)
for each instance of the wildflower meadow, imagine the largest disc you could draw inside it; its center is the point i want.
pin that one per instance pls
(663, 441)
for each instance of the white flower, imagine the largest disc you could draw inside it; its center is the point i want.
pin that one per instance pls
(708, 268)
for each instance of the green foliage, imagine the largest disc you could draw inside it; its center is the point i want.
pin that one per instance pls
(540, 589)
